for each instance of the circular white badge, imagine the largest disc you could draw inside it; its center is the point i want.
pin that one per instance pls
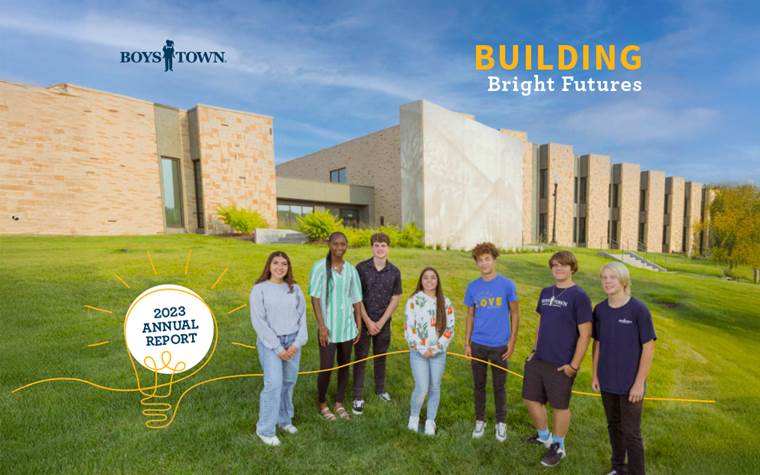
(169, 329)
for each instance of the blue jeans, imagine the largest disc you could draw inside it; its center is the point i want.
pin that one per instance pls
(427, 374)
(276, 399)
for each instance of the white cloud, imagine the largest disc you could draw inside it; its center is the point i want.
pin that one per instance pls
(630, 121)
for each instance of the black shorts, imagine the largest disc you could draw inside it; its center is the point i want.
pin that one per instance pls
(544, 383)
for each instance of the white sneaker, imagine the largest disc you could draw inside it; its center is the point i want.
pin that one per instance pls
(290, 429)
(501, 432)
(270, 441)
(429, 427)
(414, 424)
(480, 429)
(385, 396)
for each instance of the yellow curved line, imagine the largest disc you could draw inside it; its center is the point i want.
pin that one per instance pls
(249, 375)
(98, 309)
(187, 260)
(237, 308)
(121, 280)
(219, 278)
(100, 343)
(250, 347)
(152, 266)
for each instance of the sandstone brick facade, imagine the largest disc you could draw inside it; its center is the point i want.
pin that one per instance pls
(372, 160)
(630, 175)
(693, 216)
(597, 197)
(237, 162)
(77, 161)
(653, 188)
(86, 162)
(674, 199)
(560, 161)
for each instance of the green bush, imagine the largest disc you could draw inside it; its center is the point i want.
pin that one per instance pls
(409, 236)
(241, 220)
(318, 225)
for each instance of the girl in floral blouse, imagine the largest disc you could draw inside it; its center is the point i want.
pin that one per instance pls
(428, 328)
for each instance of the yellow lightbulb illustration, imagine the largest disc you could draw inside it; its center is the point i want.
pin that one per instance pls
(168, 330)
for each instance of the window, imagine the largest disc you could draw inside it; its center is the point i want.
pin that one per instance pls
(665, 236)
(575, 191)
(172, 187)
(643, 200)
(575, 231)
(350, 217)
(338, 176)
(542, 227)
(582, 191)
(287, 214)
(581, 230)
(615, 197)
(542, 176)
(198, 192)
(614, 230)
(642, 231)
(667, 204)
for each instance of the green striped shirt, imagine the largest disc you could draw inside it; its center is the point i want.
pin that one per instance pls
(345, 290)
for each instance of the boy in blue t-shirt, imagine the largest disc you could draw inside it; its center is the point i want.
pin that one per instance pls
(563, 335)
(492, 320)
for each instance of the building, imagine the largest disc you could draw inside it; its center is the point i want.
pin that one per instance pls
(459, 180)
(80, 161)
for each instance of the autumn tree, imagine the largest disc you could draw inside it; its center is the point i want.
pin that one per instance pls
(734, 227)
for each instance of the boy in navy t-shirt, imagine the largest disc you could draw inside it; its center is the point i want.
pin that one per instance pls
(623, 352)
(563, 335)
(492, 321)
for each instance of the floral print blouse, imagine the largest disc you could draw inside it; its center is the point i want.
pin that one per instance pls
(419, 324)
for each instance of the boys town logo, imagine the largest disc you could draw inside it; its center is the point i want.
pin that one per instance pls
(168, 55)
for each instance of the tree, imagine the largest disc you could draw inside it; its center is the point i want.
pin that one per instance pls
(734, 227)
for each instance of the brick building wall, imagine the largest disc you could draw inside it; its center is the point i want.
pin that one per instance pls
(653, 186)
(674, 192)
(597, 206)
(77, 161)
(630, 174)
(237, 163)
(372, 160)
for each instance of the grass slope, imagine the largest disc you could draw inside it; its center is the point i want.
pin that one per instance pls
(708, 333)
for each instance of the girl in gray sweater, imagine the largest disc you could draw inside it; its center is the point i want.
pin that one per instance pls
(278, 314)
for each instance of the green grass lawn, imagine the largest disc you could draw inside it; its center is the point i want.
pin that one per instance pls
(708, 330)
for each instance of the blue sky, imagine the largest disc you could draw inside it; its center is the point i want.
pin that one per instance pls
(331, 71)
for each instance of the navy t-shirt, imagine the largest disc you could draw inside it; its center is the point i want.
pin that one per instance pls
(621, 332)
(491, 325)
(561, 310)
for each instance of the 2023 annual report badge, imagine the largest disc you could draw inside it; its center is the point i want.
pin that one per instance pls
(169, 329)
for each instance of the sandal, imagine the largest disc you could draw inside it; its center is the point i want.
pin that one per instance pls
(327, 414)
(342, 413)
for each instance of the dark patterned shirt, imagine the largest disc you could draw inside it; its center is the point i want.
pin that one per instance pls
(378, 287)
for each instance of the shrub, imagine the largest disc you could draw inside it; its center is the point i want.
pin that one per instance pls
(241, 220)
(318, 225)
(411, 236)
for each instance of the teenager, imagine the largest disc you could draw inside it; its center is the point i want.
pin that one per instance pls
(492, 321)
(622, 357)
(278, 314)
(381, 292)
(336, 296)
(562, 338)
(428, 328)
